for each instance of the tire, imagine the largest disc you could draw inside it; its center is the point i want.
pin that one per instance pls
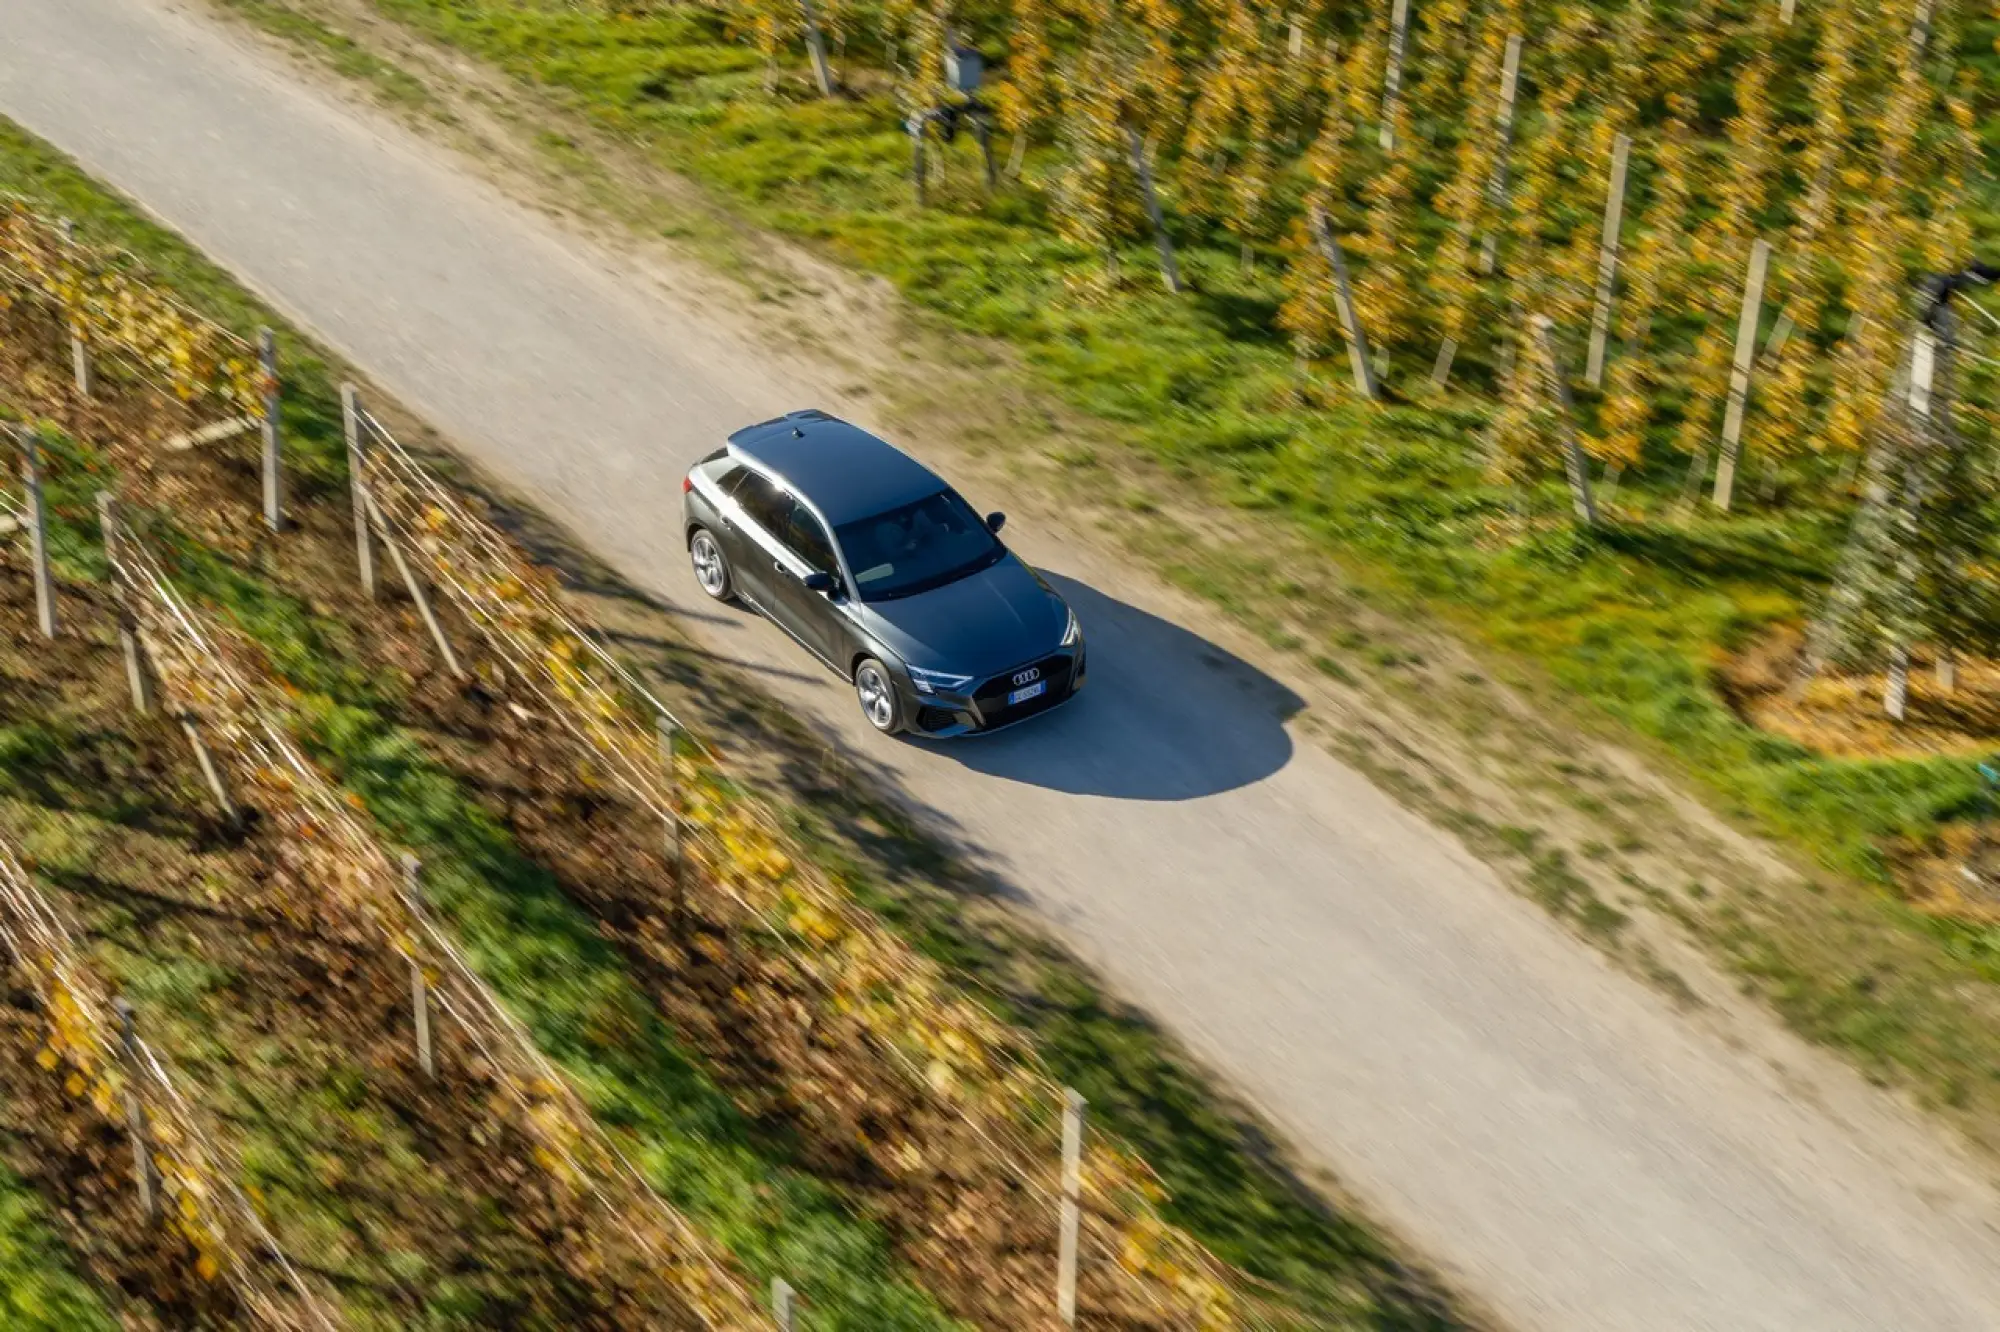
(711, 566)
(876, 690)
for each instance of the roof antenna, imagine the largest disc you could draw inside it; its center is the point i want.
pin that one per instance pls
(798, 433)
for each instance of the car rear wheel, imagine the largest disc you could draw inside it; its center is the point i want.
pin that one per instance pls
(877, 692)
(711, 566)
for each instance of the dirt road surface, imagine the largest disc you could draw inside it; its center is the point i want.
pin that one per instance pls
(1543, 1128)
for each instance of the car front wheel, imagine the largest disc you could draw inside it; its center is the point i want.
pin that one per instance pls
(711, 566)
(877, 692)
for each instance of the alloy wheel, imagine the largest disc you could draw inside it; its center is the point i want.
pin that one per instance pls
(711, 570)
(877, 694)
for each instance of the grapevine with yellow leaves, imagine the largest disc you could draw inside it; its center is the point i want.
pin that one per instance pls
(960, 1052)
(82, 1046)
(204, 669)
(113, 311)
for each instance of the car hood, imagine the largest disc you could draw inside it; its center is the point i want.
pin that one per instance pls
(998, 617)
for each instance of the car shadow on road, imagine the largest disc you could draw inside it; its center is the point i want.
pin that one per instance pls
(1165, 715)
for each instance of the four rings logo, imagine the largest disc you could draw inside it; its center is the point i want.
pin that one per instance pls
(1029, 676)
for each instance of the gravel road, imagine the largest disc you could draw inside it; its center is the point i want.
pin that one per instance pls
(1544, 1129)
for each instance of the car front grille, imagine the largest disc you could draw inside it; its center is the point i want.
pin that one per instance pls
(991, 697)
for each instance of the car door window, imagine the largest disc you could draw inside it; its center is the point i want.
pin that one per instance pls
(807, 537)
(764, 504)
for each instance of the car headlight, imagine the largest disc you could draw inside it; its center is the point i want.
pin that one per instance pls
(937, 682)
(1072, 632)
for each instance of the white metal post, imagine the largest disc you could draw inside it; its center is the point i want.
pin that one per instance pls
(137, 676)
(1739, 374)
(1496, 181)
(274, 482)
(81, 366)
(38, 532)
(364, 544)
(135, 1114)
(420, 996)
(1350, 318)
(1607, 261)
(1072, 1206)
(1392, 79)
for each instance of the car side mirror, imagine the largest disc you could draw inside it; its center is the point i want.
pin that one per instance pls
(995, 521)
(819, 580)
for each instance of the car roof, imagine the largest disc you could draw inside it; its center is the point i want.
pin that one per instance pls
(843, 470)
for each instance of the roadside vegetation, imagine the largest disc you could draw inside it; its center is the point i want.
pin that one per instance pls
(1855, 142)
(419, 1209)
(1636, 614)
(689, 1053)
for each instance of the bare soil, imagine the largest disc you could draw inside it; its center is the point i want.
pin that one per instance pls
(1953, 711)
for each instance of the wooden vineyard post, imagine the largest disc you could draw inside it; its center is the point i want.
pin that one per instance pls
(1739, 374)
(38, 531)
(816, 44)
(415, 588)
(1786, 9)
(1170, 269)
(1350, 318)
(1496, 182)
(1072, 1206)
(1576, 467)
(137, 676)
(274, 480)
(81, 366)
(135, 1114)
(420, 990)
(364, 544)
(1392, 78)
(782, 1311)
(211, 772)
(1607, 261)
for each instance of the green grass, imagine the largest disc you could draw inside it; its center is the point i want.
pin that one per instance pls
(1628, 619)
(539, 951)
(38, 1292)
(1625, 621)
(1227, 1186)
(345, 57)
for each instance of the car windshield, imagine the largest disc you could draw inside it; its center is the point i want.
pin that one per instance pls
(917, 547)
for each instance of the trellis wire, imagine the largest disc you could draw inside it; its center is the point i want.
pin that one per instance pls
(476, 537)
(132, 264)
(132, 358)
(499, 1036)
(125, 357)
(34, 929)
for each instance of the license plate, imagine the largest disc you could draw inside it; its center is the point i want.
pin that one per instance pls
(1035, 690)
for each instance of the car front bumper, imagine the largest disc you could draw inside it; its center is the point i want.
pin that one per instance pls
(985, 709)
